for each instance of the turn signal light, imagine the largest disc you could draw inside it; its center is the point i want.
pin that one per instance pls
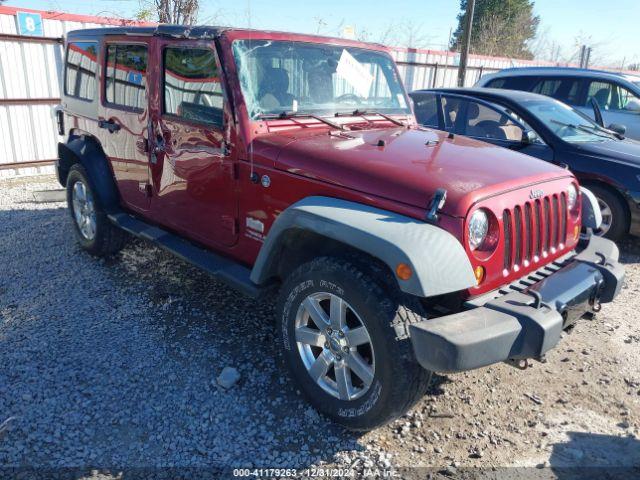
(576, 232)
(479, 273)
(403, 271)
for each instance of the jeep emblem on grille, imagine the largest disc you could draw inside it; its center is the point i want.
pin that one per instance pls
(536, 194)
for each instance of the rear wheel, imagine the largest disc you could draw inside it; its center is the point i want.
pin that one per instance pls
(344, 333)
(95, 233)
(615, 219)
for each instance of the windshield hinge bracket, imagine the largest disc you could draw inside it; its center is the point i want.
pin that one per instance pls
(437, 203)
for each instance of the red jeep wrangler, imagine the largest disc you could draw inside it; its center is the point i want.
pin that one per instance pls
(292, 163)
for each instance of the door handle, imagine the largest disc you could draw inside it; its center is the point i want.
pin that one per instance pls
(110, 125)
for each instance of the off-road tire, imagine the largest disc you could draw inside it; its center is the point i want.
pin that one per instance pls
(399, 381)
(620, 217)
(108, 238)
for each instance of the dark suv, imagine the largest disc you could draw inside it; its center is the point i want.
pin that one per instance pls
(291, 166)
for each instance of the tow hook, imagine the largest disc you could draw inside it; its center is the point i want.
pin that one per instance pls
(537, 298)
(594, 301)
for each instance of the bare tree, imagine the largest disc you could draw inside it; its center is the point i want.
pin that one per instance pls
(403, 34)
(321, 24)
(598, 55)
(181, 12)
(413, 35)
(544, 47)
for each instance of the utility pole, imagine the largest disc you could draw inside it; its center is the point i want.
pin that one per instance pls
(583, 53)
(466, 42)
(587, 57)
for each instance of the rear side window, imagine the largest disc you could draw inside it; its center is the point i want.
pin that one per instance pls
(497, 83)
(80, 70)
(125, 78)
(192, 88)
(426, 108)
(511, 83)
(565, 89)
(547, 87)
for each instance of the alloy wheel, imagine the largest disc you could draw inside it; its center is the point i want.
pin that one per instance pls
(334, 346)
(607, 218)
(84, 210)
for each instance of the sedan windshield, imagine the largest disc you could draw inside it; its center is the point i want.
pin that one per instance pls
(566, 122)
(283, 77)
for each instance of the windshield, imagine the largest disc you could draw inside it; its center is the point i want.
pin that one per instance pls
(566, 122)
(317, 79)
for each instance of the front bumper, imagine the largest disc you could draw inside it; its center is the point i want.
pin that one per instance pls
(633, 201)
(525, 323)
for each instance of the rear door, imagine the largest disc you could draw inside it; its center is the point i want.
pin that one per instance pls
(124, 114)
(192, 173)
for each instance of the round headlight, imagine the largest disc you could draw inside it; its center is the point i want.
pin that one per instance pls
(478, 228)
(572, 196)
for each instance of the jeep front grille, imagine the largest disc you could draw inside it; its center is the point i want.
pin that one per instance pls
(534, 229)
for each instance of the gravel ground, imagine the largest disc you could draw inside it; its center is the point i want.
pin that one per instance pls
(114, 364)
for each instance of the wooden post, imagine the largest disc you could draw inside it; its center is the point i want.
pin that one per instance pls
(466, 41)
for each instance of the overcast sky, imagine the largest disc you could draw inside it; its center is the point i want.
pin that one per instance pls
(611, 27)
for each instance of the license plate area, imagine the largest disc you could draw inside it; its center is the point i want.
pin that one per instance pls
(572, 290)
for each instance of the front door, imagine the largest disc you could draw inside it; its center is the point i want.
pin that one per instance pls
(192, 173)
(124, 118)
(613, 99)
(491, 123)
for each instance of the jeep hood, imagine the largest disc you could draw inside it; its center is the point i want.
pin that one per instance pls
(408, 165)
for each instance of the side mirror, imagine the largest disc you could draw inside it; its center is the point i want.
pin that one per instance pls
(617, 128)
(528, 137)
(633, 105)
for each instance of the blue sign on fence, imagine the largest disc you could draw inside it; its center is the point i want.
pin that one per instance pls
(30, 24)
(135, 78)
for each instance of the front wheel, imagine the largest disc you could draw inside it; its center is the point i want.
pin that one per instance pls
(615, 220)
(344, 334)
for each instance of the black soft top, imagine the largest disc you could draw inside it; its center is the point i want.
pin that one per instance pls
(178, 31)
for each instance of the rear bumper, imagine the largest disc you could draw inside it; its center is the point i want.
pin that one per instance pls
(525, 323)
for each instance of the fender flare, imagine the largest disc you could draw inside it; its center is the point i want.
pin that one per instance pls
(87, 152)
(591, 214)
(438, 261)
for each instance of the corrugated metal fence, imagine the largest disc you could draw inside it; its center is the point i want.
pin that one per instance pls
(31, 66)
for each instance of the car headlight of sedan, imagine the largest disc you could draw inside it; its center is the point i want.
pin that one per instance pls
(572, 196)
(478, 228)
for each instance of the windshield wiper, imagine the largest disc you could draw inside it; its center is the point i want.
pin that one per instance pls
(604, 130)
(285, 115)
(585, 128)
(362, 113)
